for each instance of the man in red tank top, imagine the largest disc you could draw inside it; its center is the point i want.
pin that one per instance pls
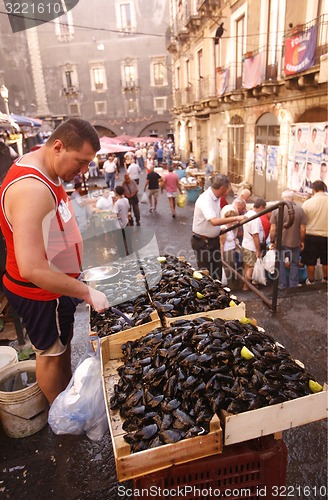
(44, 248)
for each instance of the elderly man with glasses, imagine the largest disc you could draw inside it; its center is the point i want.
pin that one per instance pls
(207, 223)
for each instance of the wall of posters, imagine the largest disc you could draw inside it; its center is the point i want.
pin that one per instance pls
(308, 155)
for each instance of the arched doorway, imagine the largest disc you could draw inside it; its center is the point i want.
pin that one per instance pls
(236, 149)
(267, 132)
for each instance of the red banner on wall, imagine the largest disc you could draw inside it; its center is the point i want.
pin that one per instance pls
(299, 51)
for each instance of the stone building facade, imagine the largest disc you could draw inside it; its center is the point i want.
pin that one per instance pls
(103, 60)
(245, 73)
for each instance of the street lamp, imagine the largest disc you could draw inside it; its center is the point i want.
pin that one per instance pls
(4, 94)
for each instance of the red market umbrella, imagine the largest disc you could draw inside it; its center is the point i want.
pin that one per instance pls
(113, 148)
(145, 139)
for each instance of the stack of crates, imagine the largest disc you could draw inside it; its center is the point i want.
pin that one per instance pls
(253, 470)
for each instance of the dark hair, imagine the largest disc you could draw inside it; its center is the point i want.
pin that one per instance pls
(119, 190)
(73, 133)
(319, 186)
(220, 180)
(260, 202)
(77, 185)
(205, 160)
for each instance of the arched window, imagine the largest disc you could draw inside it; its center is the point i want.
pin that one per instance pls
(236, 149)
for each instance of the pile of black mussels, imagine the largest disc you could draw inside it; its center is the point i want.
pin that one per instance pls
(182, 290)
(173, 380)
(137, 311)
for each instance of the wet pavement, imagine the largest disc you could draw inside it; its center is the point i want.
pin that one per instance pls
(72, 467)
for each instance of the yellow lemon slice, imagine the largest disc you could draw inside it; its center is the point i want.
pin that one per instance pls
(246, 353)
(314, 386)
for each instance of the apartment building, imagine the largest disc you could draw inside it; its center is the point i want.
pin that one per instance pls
(103, 60)
(247, 76)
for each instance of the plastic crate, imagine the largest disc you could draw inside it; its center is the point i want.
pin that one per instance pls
(193, 193)
(251, 470)
(181, 173)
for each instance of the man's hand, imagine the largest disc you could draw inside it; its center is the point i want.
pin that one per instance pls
(98, 300)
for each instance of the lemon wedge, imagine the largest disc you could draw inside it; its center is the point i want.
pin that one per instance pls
(200, 295)
(161, 259)
(232, 303)
(314, 386)
(197, 275)
(246, 353)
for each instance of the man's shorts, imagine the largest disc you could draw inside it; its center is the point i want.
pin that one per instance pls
(153, 192)
(49, 324)
(249, 257)
(315, 247)
(172, 195)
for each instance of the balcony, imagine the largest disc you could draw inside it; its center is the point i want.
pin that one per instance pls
(71, 92)
(130, 86)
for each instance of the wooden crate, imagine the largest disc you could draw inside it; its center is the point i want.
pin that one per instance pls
(235, 312)
(132, 465)
(154, 318)
(272, 419)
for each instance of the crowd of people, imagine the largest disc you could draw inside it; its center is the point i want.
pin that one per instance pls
(243, 248)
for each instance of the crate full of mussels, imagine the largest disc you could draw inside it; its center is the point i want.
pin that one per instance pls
(165, 287)
(167, 388)
(183, 292)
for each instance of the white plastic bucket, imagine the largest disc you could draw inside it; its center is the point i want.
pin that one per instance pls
(8, 357)
(24, 411)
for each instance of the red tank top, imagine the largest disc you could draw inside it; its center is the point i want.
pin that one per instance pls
(64, 246)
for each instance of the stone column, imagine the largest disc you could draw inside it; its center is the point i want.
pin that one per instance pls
(37, 72)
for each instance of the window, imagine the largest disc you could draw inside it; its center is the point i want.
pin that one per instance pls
(236, 149)
(187, 81)
(70, 79)
(74, 109)
(200, 63)
(101, 107)
(129, 71)
(177, 78)
(240, 49)
(125, 16)
(132, 106)
(160, 104)
(158, 72)
(237, 46)
(98, 77)
(64, 27)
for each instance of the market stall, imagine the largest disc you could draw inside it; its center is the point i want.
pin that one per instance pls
(226, 412)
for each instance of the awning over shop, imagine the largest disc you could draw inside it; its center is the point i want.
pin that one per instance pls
(25, 121)
(5, 121)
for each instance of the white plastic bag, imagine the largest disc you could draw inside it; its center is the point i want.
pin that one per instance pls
(144, 198)
(259, 272)
(224, 280)
(269, 261)
(80, 408)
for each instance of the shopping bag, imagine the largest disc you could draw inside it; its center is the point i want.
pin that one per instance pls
(144, 198)
(182, 200)
(80, 408)
(224, 280)
(259, 272)
(269, 261)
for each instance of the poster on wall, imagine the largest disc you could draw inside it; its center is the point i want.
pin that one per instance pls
(260, 154)
(308, 159)
(272, 162)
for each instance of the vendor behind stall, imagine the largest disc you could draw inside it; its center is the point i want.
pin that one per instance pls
(44, 248)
